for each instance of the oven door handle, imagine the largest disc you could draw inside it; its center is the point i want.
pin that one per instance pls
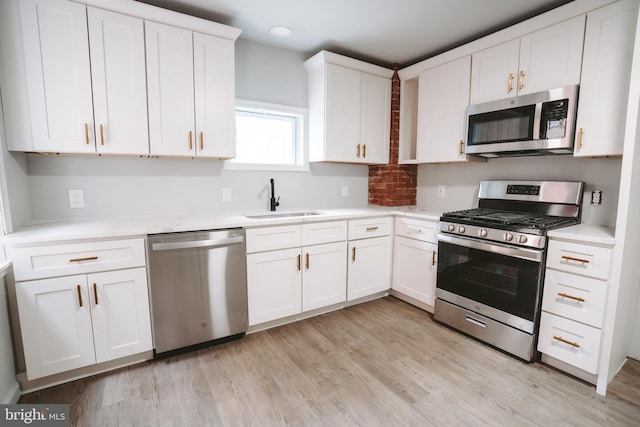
(496, 248)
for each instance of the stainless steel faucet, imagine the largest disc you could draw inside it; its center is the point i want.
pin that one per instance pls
(274, 202)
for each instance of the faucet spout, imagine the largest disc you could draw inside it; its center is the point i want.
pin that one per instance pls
(274, 202)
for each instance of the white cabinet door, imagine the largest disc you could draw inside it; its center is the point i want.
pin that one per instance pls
(551, 57)
(604, 86)
(119, 82)
(542, 60)
(442, 107)
(375, 128)
(170, 90)
(414, 269)
(342, 113)
(325, 275)
(57, 68)
(120, 313)
(55, 321)
(274, 281)
(369, 269)
(494, 72)
(214, 96)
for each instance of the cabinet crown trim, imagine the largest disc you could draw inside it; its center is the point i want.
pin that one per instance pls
(325, 57)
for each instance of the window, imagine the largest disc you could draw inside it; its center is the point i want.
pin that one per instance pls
(269, 137)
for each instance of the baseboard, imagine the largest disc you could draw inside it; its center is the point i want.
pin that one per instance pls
(12, 395)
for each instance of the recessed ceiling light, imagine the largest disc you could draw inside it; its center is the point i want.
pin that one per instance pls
(280, 31)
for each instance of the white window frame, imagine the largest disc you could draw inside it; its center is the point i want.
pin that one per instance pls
(301, 143)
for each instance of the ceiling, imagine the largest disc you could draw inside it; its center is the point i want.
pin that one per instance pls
(379, 31)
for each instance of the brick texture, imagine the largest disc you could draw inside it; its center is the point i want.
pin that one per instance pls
(393, 184)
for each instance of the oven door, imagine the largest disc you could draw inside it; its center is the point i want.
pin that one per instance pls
(498, 281)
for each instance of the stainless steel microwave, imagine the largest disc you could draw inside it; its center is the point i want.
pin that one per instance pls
(532, 124)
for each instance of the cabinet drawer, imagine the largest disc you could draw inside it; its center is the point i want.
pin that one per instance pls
(324, 232)
(570, 341)
(75, 258)
(417, 229)
(592, 261)
(575, 297)
(270, 238)
(370, 227)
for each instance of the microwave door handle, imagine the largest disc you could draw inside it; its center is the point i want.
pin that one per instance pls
(537, 117)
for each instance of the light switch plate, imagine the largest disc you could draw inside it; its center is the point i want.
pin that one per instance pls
(226, 194)
(345, 191)
(76, 199)
(442, 192)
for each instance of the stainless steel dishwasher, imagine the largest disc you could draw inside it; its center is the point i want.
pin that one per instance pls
(198, 289)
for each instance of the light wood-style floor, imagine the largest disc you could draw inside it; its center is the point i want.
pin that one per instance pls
(382, 363)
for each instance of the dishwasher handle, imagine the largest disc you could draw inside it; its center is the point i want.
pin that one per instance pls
(197, 244)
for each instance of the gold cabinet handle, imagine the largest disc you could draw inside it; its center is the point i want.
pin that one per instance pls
(353, 254)
(190, 140)
(101, 134)
(569, 258)
(79, 296)
(372, 228)
(299, 262)
(563, 295)
(572, 344)
(521, 79)
(510, 85)
(358, 151)
(433, 257)
(86, 133)
(306, 260)
(90, 258)
(364, 151)
(95, 293)
(461, 147)
(201, 140)
(580, 132)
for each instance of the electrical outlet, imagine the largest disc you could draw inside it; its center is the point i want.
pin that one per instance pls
(442, 191)
(76, 199)
(596, 197)
(345, 191)
(226, 194)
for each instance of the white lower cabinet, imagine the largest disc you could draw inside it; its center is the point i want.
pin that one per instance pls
(369, 269)
(415, 252)
(294, 279)
(573, 305)
(75, 321)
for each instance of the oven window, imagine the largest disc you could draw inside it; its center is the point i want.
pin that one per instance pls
(513, 124)
(506, 283)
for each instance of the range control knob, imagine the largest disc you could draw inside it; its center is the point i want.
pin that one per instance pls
(508, 237)
(461, 229)
(451, 227)
(522, 239)
(482, 232)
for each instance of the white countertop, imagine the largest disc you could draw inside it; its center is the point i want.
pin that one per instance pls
(586, 233)
(59, 231)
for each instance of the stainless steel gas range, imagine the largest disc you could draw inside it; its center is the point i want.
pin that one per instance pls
(491, 260)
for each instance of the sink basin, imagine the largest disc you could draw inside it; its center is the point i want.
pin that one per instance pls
(282, 215)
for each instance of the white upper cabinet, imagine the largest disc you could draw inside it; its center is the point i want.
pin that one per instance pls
(58, 75)
(349, 110)
(116, 78)
(545, 59)
(604, 87)
(214, 81)
(119, 82)
(85, 74)
(171, 95)
(191, 93)
(442, 105)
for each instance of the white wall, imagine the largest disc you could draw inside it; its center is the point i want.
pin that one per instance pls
(129, 186)
(461, 181)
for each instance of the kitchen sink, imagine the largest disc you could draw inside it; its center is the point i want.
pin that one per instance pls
(268, 215)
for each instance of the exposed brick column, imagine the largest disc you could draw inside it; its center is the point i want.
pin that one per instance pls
(393, 184)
